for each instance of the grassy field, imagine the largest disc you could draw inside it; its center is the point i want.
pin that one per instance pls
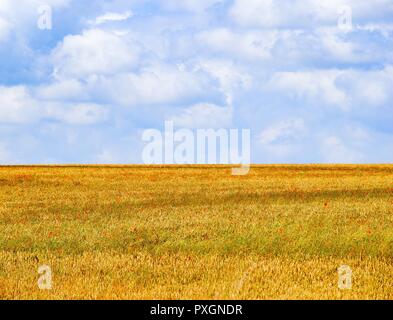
(171, 232)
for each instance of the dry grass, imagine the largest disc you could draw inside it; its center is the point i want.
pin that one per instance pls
(172, 232)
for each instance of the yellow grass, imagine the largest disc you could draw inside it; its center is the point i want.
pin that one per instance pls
(172, 232)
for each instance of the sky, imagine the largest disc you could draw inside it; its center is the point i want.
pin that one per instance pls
(312, 80)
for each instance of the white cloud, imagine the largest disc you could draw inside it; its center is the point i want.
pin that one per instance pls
(17, 106)
(255, 13)
(386, 29)
(282, 47)
(249, 45)
(344, 89)
(318, 87)
(69, 89)
(110, 67)
(93, 52)
(334, 150)
(190, 5)
(5, 28)
(230, 76)
(300, 13)
(336, 47)
(358, 135)
(204, 115)
(281, 139)
(186, 61)
(156, 84)
(369, 88)
(77, 114)
(112, 16)
(105, 61)
(291, 129)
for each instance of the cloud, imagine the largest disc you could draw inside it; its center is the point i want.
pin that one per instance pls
(190, 5)
(19, 106)
(335, 151)
(316, 87)
(77, 114)
(204, 116)
(111, 17)
(68, 90)
(283, 48)
(308, 90)
(5, 28)
(332, 42)
(283, 131)
(249, 45)
(255, 13)
(152, 85)
(304, 13)
(386, 29)
(368, 88)
(230, 76)
(94, 52)
(281, 140)
(343, 89)
(112, 68)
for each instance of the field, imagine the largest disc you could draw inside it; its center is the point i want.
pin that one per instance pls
(197, 232)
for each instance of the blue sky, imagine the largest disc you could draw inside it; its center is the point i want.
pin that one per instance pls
(84, 91)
